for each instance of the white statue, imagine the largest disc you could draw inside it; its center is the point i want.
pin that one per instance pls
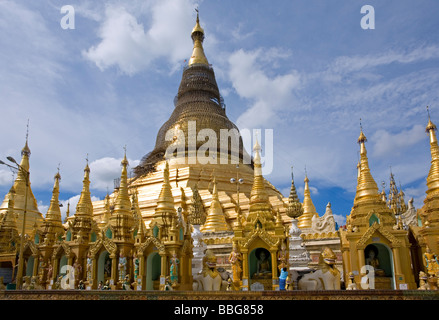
(327, 277)
(210, 278)
(325, 223)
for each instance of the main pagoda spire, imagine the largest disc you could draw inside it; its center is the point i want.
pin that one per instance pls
(198, 107)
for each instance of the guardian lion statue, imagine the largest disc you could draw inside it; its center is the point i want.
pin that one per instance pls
(210, 279)
(327, 277)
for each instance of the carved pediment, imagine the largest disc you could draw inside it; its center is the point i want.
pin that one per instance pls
(62, 247)
(108, 244)
(155, 242)
(361, 244)
(263, 235)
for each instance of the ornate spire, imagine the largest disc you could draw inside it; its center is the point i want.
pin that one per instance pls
(24, 197)
(165, 212)
(8, 226)
(53, 222)
(197, 36)
(197, 215)
(258, 195)
(215, 221)
(366, 186)
(122, 218)
(123, 203)
(260, 212)
(431, 202)
(54, 212)
(9, 219)
(85, 206)
(433, 175)
(166, 200)
(309, 210)
(198, 106)
(294, 207)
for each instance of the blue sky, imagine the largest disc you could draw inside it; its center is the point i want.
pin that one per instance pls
(305, 69)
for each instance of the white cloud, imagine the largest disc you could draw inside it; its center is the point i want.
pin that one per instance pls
(340, 219)
(386, 144)
(42, 207)
(352, 64)
(129, 45)
(267, 95)
(104, 171)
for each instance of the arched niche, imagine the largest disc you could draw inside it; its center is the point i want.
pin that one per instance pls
(383, 254)
(153, 269)
(104, 266)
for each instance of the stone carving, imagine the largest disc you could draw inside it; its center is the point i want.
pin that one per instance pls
(325, 223)
(327, 277)
(209, 279)
(409, 218)
(298, 255)
(198, 250)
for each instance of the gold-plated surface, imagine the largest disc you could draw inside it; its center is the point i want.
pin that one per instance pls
(215, 220)
(122, 219)
(52, 225)
(294, 207)
(199, 108)
(34, 218)
(309, 210)
(198, 56)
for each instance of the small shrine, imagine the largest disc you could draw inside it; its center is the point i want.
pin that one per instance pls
(260, 237)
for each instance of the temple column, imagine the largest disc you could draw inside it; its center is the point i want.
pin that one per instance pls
(55, 269)
(36, 265)
(361, 261)
(114, 259)
(163, 270)
(397, 263)
(274, 282)
(347, 264)
(141, 274)
(94, 273)
(245, 272)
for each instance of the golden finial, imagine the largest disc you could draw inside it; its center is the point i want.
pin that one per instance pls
(362, 138)
(87, 168)
(430, 126)
(124, 160)
(57, 175)
(197, 36)
(26, 151)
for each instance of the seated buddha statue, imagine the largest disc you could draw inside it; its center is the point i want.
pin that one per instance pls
(263, 268)
(373, 261)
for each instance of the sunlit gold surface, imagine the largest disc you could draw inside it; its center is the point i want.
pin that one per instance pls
(215, 221)
(34, 218)
(309, 210)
